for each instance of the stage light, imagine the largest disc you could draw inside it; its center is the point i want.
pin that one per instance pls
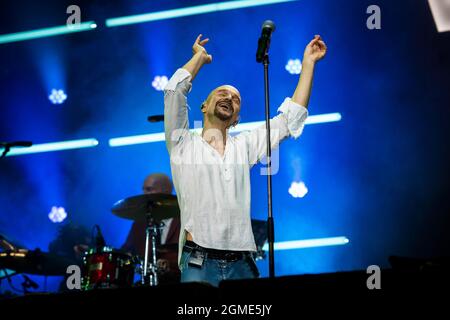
(57, 214)
(294, 66)
(308, 243)
(298, 189)
(47, 32)
(246, 126)
(54, 146)
(57, 96)
(160, 82)
(440, 9)
(189, 11)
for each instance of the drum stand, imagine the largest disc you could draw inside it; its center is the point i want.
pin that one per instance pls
(150, 269)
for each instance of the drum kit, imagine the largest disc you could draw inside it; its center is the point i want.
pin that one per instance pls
(151, 208)
(103, 266)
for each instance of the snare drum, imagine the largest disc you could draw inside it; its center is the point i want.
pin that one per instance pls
(106, 267)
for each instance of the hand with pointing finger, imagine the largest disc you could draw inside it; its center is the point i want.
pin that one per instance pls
(199, 49)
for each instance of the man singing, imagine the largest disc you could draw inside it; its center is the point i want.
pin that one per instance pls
(211, 170)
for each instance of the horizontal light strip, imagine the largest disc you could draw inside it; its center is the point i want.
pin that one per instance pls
(189, 11)
(140, 18)
(157, 137)
(309, 243)
(148, 138)
(144, 138)
(47, 32)
(324, 118)
(53, 146)
(319, 118)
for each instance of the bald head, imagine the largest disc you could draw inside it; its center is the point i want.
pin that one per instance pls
(226, 87)
(157, 183)
(222, 105)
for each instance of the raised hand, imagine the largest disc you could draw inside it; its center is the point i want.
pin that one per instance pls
(315, 50)
(199, 48)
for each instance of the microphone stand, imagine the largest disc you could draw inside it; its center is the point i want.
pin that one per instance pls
(270, 222)
(8, 145)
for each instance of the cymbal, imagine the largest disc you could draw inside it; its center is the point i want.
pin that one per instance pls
(35, 262)
(160, 206)
(7, 244)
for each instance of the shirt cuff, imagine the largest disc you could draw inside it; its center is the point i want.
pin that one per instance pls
(179, 75)
(296, 116)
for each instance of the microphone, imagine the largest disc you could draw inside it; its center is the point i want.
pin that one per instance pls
(264, 41)
(156, 118)
(16, 144)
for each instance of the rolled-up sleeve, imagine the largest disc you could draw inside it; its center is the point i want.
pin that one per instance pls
(289, 122)
(176, 121)
(295, 116)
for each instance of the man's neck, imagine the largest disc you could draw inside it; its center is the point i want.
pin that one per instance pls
(216, 135)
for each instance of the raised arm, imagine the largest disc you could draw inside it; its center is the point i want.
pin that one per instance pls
(176, 123)
(314, 51)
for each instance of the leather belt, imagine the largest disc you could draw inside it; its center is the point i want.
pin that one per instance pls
(216, 254)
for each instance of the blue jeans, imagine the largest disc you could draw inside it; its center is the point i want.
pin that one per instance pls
(214, 270)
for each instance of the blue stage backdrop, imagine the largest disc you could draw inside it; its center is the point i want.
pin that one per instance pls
(379, 176)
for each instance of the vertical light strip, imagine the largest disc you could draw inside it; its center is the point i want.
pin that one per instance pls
(189, 11)
(53, 146)
(47, 32)
(309, 243)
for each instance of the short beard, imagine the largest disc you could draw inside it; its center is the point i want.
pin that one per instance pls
(221, 116)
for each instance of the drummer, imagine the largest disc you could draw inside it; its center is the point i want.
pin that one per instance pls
(135, 243)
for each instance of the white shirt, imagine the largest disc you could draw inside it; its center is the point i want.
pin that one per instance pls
(213, 191)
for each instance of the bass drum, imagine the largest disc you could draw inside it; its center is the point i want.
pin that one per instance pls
(107, 268)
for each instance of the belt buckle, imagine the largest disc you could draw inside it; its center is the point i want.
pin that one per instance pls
(232, 256)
